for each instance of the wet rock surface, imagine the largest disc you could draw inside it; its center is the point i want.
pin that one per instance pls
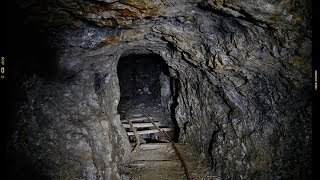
(243, 69)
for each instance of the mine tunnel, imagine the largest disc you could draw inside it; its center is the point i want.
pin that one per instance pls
(230, 82)
(146, 88)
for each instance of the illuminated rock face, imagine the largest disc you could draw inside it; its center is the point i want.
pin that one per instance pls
(244, 71)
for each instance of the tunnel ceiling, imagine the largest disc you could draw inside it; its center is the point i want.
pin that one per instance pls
(244, 69)
(126, 13)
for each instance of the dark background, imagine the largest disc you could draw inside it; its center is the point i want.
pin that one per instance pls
(27, 50)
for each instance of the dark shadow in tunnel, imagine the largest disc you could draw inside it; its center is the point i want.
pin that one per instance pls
(26, 47)
(139, 75)
(140, 83)
(175, 88)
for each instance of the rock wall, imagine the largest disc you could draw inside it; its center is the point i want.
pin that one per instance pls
(245, 85)
(70, 128)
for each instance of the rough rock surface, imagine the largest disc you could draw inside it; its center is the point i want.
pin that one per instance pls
(244, 69)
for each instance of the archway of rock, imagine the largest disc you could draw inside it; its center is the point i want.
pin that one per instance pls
(146, 87)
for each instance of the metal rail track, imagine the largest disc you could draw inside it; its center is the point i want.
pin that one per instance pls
(183, 163)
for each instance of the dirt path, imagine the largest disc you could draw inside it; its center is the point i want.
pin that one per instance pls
(158, 161)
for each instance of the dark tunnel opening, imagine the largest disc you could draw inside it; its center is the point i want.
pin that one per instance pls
(138, 76)
(146, 87)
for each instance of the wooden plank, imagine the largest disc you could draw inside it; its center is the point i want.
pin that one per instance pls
(139, 119)
(149, 131)
(134, 133)
(136, 115)
(156, 163)
(159, 145)
(140, 125)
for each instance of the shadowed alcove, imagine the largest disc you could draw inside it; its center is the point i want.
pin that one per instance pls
(146, 87)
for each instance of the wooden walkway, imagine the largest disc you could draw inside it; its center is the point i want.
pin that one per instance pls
(142, 122)
(162, 161)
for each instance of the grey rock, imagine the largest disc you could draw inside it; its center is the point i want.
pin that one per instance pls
(244, 71)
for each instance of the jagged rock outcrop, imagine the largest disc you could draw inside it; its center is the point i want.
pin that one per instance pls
(245, 84)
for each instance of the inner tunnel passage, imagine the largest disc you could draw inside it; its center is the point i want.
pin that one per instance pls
(147, 87)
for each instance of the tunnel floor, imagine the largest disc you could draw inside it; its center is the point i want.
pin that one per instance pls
(138, 104)
(133, 108)
(155, 157)
(159, 161)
